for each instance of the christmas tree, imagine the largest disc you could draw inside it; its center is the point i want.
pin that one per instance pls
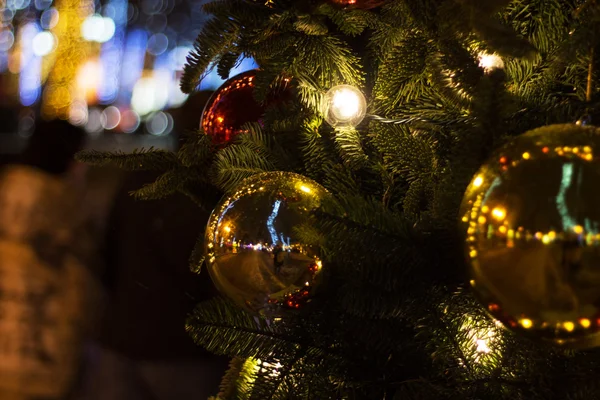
(447, 82)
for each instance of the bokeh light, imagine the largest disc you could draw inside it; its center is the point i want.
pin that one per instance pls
(78, 114)
(149, 95)
(7, 39)
(49, 18)
(94, 121)
(42, 4)
(26, 124)
(97, 28)
(88, 80)
(157, 44)
(30, 66)
(17, 4)
(43, 43)
(110, 118)
(130, 121)
(159, 124)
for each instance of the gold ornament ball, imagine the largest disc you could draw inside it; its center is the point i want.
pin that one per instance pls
(531, 218)
(255, 252)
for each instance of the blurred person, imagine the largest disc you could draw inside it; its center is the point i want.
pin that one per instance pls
(47, 286)
(143, 351)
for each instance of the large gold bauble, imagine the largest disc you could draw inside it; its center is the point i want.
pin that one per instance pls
(531, 216)
(254, 248)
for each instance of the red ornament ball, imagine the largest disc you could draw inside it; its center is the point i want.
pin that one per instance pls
(360, 4)
(231, 106)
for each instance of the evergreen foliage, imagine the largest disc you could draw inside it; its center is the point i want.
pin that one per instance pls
(394, 320)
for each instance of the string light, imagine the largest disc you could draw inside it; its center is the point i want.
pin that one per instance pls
(481, 343)
(344, 106)
(490, 62)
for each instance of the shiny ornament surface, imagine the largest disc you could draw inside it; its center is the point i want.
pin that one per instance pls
(232, 105)
(255, 255)
(531, 216)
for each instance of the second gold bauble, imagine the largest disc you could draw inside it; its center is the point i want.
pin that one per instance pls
(531, 218)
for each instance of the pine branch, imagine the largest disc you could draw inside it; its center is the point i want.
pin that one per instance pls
(313, 149)
(310, 25)
(355, 226)
(227, 62)
(248, 156)
(478, 18)
(236, 383)
(223, 328)
(164, 186)
(404, 67)
(197, 257)
(350, 22)
(139, 160)
(340, 181)
(350, 146)
(217, 35)
(196, 151)
(167, 184)
(323, 62)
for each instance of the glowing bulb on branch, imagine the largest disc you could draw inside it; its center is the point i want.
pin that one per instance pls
(490, 62)
(344, 106)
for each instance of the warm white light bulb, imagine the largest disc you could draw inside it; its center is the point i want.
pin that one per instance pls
(344, 106)
(490, 62)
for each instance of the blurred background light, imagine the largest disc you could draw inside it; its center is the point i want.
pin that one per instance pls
(94, 125)
(30, 66)
(157, 44)
(149, 94)
(130, 121)
(159, 124)
(43, 43)
(49, 18)
(110, 118)
(7, 14)
(88, 80)
(78, 114)
(97, 28)
(17, 4)
(105, 65)
(112, 52)
(133, 58)
(42, 4)
(26, 123)
(7, 39)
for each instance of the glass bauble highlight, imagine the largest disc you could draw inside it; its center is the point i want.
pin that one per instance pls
(531, 216)
(254, 248)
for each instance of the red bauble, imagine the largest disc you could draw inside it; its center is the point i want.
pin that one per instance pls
(231, 106)
(360, 4)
